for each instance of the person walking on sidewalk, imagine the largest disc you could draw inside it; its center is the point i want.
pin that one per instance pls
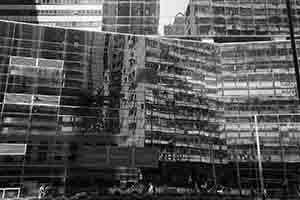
(42, 192)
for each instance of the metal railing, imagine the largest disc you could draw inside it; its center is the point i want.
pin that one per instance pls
(4, 191)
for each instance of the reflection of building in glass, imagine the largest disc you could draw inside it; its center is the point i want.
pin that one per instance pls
(165, 97)
(170, 96)
(131, 16)
(196, 102)
(259, 78)
(66, 92)
(239, 18)
(52, 100)
(84, 14)
(160, 95)
(178, 26)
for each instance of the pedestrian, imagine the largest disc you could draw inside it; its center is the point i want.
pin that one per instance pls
(41, 192)
(48, 190)
(190, 182)
(265, 194)
(285, 188)
(151, 188)
(140, 177)
(204, 186)
(252, 192)
(197, 190)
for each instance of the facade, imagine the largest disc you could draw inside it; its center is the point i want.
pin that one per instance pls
(52, 101)
(128, 16)
(258, 78)
(196, 102)
(66, 13)
(55, 79)
(193, 101)
(165, 98)
(223, 18)
(162, 84)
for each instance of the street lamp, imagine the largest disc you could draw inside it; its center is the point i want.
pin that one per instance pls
(260, 168)
(261, 177)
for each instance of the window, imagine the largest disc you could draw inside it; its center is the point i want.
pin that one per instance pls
(42, 156)
(57, 157)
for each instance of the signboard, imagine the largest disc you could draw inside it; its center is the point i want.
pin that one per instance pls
(166, 156)
(104, 157)
(12, 149)
(286, 92)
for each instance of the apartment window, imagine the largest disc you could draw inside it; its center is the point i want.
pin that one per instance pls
(42, 156)
(57, 157)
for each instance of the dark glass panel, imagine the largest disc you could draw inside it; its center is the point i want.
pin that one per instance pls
(76, 38)
(56, 35)
(6, 29)
(26, 31)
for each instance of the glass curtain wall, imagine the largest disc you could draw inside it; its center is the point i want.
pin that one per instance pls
(49, 83)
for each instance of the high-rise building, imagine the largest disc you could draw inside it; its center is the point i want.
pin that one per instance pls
(258, 78)
(83, 14)
(223, 18)
(131, 16)
(193, 101)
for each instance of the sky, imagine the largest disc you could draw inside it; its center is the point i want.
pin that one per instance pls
(168, 10)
